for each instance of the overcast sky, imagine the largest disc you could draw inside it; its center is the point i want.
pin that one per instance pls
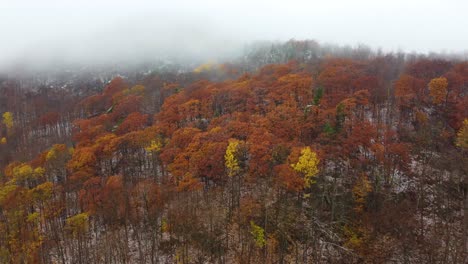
(98, 30)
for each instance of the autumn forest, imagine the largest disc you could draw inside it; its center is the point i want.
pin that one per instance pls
(292, 153)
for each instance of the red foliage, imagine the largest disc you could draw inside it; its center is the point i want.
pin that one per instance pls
(134, 121)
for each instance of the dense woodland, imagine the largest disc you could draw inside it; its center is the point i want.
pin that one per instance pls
(293, 153)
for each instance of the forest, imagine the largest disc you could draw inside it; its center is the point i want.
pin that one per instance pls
(294, 152)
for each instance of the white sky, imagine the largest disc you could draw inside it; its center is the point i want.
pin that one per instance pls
(102, 29)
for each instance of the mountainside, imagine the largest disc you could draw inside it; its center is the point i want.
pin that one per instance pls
(320, 157)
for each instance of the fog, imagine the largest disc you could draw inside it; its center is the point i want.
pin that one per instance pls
(43, 33)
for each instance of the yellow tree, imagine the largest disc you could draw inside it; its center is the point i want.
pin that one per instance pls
(231, 161)
(77, 227)
(154, 146)
(258, 234)
(307, 165)
(438, 89)
(462, 135)
(8, 121)
(231, 158)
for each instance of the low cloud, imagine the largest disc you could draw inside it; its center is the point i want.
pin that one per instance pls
(38, 34)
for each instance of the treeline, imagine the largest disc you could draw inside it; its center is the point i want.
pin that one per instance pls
(319, 160)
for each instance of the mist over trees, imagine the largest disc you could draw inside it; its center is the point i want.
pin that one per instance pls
(291, 152)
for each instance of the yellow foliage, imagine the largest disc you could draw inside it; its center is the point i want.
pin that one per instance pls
(39, 171)
(43, 191)
(205, 67)
(438, 89)
(78, 223)
(155, 146)
(232, 164)
(8, 120)
(307, 165)
(5, 191)
(462, 135)
(258, 234)
(23, 171)
(57, 152)
(51, 154)
(355, 239)
(164, 226)
(3, 140)
(9, 169)
(135, 90)
(33, 217)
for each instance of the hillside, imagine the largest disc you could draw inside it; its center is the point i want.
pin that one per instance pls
(307, 157)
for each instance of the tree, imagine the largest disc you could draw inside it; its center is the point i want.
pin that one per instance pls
(8, 121)
(78, 223)
(438, 89)
(232, 163)
(134, 122)
(77, 226)
(224, 170)
(318, 95)
(407, 89)
(360, 191)
(307, 165)
(462, 136)
(258, 234)
(288, 179)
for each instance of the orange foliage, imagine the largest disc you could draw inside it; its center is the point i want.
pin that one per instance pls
(407, 88)
(438, 89)
(134, 121)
